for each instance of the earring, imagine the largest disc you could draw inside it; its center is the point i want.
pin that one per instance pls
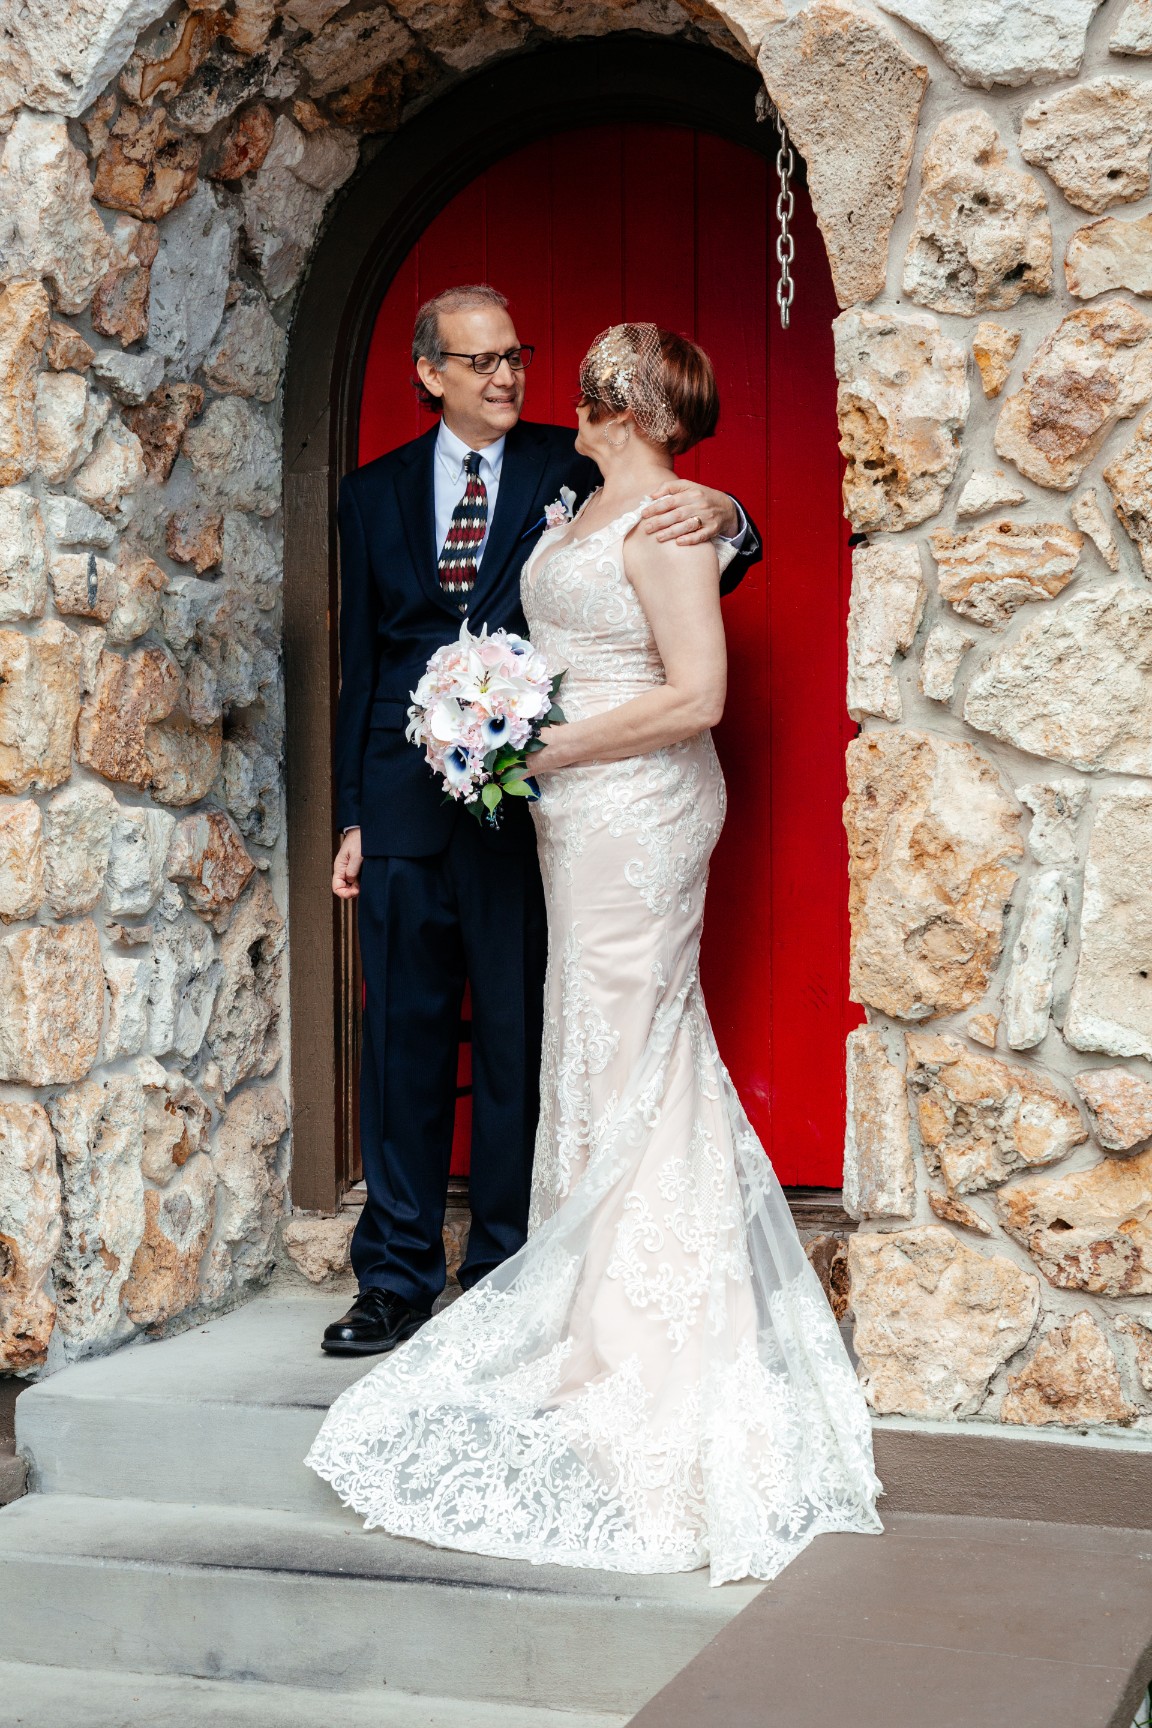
(612, 442)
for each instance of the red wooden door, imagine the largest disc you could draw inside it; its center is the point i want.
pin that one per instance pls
(677, 231)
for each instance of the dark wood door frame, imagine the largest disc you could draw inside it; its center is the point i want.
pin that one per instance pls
(411, 176)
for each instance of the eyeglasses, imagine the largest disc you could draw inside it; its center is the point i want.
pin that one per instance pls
(486, 364)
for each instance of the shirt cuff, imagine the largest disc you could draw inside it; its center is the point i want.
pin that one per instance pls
(736, 541)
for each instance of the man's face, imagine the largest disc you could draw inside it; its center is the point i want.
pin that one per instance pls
(479, 410)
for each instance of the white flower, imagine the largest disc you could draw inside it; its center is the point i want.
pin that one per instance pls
(445, 720)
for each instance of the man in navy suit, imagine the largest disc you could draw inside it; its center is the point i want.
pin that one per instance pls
(431, 534)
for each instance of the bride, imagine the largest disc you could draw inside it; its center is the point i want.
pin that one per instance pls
(655, 1382)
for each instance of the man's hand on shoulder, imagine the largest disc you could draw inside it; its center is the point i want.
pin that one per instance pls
(691, 514)
(346, 869)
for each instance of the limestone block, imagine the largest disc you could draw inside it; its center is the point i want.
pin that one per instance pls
(931, 837)
(250, 778)
(77, 837)
(23, 333)
(243, 1034)
(39, 702)
(251, 1194)
(1133, 33)
(48, 225)
(177, 1122)
(982, 236)
(72, 523)
(1093, 370)
(990, 42)
(1056, 807)
(231, 648)
(23, 583)
(1075, 684)
(195, 536)
(248, 356)
(211, 861)
(983, 491)
(994, 349)
(903, 401)
(185, 978)
(139, 586)
(940, 660)
(83, 585)
(1129, 479)
(172, 55)
(113, 471)
(64, 55)
(1028, 992)
(249, 560)
(952, 1211)
(983, 1028)
(190, 282)
(65, 349)
(1094, 140)
(285, 199)
(1091, 520)
(935, 1320)
(165, 1274)
(879, 1171)
(68, 417)
(850, 97)
(1091, 1230)
(120, 303)
(455, 34)
(29, 1234)
(318, 1247)
(311, 15)
(146, 168)
(51, 1003)
(1140, 1331)
(982, 1119)
(235, 456)
(1072, 1378)
(160, 425)
(132, 691)
(352, 48)
(136, 862)
(888, 595)
(1110, 254)
(131, 377)
(128, 979)
(1119, 1107)
(988, 573)
(1110, 1007)
(21, 860)
(99, 1138)
(183, 759)
(227, 79)
(246, 144)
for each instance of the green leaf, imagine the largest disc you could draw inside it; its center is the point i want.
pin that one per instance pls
(491, 794)
(555, 716)
(518, 789)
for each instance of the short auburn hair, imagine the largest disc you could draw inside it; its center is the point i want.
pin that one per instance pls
(690, 386)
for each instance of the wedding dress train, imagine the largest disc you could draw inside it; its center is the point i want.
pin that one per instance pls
(655, 1382)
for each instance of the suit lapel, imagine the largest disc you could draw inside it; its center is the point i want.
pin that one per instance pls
(525, 457)
(415, 493)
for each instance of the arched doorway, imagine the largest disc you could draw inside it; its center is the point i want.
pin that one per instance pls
(644, 188)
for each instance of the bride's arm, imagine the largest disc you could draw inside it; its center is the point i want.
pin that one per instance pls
(678, 590)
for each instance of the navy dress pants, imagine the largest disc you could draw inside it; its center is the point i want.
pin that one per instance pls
(473, 912)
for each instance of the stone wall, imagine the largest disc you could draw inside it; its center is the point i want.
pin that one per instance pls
(981, 171)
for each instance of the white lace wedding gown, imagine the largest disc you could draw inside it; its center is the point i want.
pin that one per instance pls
(656, 1381)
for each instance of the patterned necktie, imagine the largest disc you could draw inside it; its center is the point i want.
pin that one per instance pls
(465, 532)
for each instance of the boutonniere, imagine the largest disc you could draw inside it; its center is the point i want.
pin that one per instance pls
(557, 514)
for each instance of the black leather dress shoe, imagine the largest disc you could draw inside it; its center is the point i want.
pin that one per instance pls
(378, 1320)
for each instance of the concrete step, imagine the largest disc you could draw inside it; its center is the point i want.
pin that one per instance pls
(240, 1595)
(224, 1413)
(37, 1697)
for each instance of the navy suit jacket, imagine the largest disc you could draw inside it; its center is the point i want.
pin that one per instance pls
(394, 615)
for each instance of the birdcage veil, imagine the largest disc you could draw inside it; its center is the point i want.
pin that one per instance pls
(624, 368)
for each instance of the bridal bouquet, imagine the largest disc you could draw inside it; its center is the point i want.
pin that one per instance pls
(478, 712)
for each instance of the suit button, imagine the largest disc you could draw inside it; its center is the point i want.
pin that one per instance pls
(463, 606)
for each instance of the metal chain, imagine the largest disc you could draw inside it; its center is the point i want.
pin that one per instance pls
(785, 206)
